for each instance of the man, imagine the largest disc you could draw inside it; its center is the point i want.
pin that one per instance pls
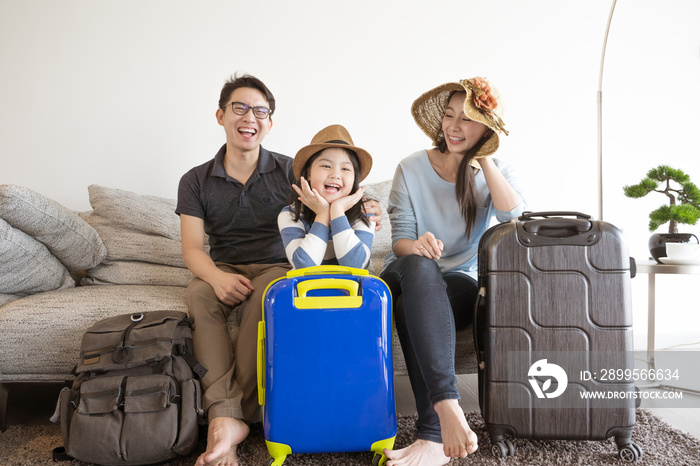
(235, 199)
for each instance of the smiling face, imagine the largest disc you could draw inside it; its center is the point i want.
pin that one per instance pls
(461, 133)
(244, 133)
(332, 173)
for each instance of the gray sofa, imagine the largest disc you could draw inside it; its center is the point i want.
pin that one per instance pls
(60, 271)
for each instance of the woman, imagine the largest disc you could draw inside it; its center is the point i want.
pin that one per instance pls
(441, 203)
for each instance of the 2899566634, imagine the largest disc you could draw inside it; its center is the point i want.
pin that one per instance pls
(626, 375)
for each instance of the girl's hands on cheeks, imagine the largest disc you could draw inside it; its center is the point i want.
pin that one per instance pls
(311, 198)
(428, 246)
(341, 205)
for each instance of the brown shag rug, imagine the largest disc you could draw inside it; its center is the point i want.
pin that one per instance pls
(662, 445)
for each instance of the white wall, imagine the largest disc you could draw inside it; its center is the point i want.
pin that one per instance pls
(123, 93)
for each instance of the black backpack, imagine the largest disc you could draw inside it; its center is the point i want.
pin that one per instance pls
(135, 399)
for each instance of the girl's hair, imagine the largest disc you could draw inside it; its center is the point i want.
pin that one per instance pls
(465, 189)
(354, 213)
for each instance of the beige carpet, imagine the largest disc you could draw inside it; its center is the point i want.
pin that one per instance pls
(662, 445)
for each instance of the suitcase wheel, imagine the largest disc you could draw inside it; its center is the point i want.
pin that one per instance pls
(275, 462)
(503, 448)
(378, 460)
(631, 452)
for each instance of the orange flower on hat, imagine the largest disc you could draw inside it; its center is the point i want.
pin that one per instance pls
(483, 98)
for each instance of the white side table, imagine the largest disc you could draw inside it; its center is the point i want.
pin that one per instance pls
(652, 268)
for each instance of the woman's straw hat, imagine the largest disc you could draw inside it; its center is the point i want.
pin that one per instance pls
(483, 104)
(332, 136)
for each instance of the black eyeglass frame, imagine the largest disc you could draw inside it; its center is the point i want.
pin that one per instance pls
(267, 111)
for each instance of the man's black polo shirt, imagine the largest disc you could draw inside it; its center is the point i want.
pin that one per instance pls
(241, 221)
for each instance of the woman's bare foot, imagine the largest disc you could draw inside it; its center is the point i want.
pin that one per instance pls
(224, 435)
(458, 440)
(419, 453)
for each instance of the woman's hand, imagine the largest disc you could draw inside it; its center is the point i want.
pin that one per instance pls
(342, 204)
(428, 245)
(311, 198)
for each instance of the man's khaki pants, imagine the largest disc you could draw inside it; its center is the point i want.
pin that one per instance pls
(230, 384)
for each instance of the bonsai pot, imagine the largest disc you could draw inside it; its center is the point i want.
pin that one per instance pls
(657, 242)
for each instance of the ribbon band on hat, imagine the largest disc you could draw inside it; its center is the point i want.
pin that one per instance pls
(332, 136)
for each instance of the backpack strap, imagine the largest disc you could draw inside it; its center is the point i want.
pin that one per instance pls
(187, 353)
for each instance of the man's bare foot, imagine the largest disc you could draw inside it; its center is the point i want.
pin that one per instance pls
(419, 453)
(224, 435)
(458, 440)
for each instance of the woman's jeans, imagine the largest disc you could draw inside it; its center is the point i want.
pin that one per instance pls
(428, 306)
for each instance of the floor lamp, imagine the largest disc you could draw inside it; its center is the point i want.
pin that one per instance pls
(600, 116)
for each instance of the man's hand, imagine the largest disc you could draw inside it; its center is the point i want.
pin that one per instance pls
(231, 288)
(372, 209)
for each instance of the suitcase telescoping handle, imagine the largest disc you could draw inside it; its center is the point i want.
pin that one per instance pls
(327, 269)
(351, 297)
(351, 300)
(527, 215)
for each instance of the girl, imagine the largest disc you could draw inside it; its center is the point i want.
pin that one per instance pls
(325, 223)
(440, 204)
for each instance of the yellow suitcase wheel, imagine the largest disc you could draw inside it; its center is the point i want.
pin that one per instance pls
(379, 460)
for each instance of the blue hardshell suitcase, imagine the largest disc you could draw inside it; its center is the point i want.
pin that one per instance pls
(325, 372)
(554, 306)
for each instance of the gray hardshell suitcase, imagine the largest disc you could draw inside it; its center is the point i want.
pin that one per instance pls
(553, 324)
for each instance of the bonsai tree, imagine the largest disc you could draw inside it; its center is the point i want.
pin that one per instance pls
(683, 196)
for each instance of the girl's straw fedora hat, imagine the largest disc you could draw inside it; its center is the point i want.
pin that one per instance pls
(483, 104)
(332, 136)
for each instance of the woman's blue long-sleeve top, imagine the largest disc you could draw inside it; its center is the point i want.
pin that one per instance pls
(421, 201)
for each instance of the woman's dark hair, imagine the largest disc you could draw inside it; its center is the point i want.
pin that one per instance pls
(465, 189)
(354, 213)
(245, 80)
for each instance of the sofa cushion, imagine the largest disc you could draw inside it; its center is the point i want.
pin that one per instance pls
(42, 332)
(136, 212)
(75, 243)
(7, 298)
(136, 227)
(136, 273)
(27, 266)
(129, 245)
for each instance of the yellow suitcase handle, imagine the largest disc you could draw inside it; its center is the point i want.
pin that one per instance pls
(332, 302)
(327, 284)
(261, 363)
(318, 269)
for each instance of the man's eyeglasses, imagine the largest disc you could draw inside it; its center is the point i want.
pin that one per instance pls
(239, 108)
